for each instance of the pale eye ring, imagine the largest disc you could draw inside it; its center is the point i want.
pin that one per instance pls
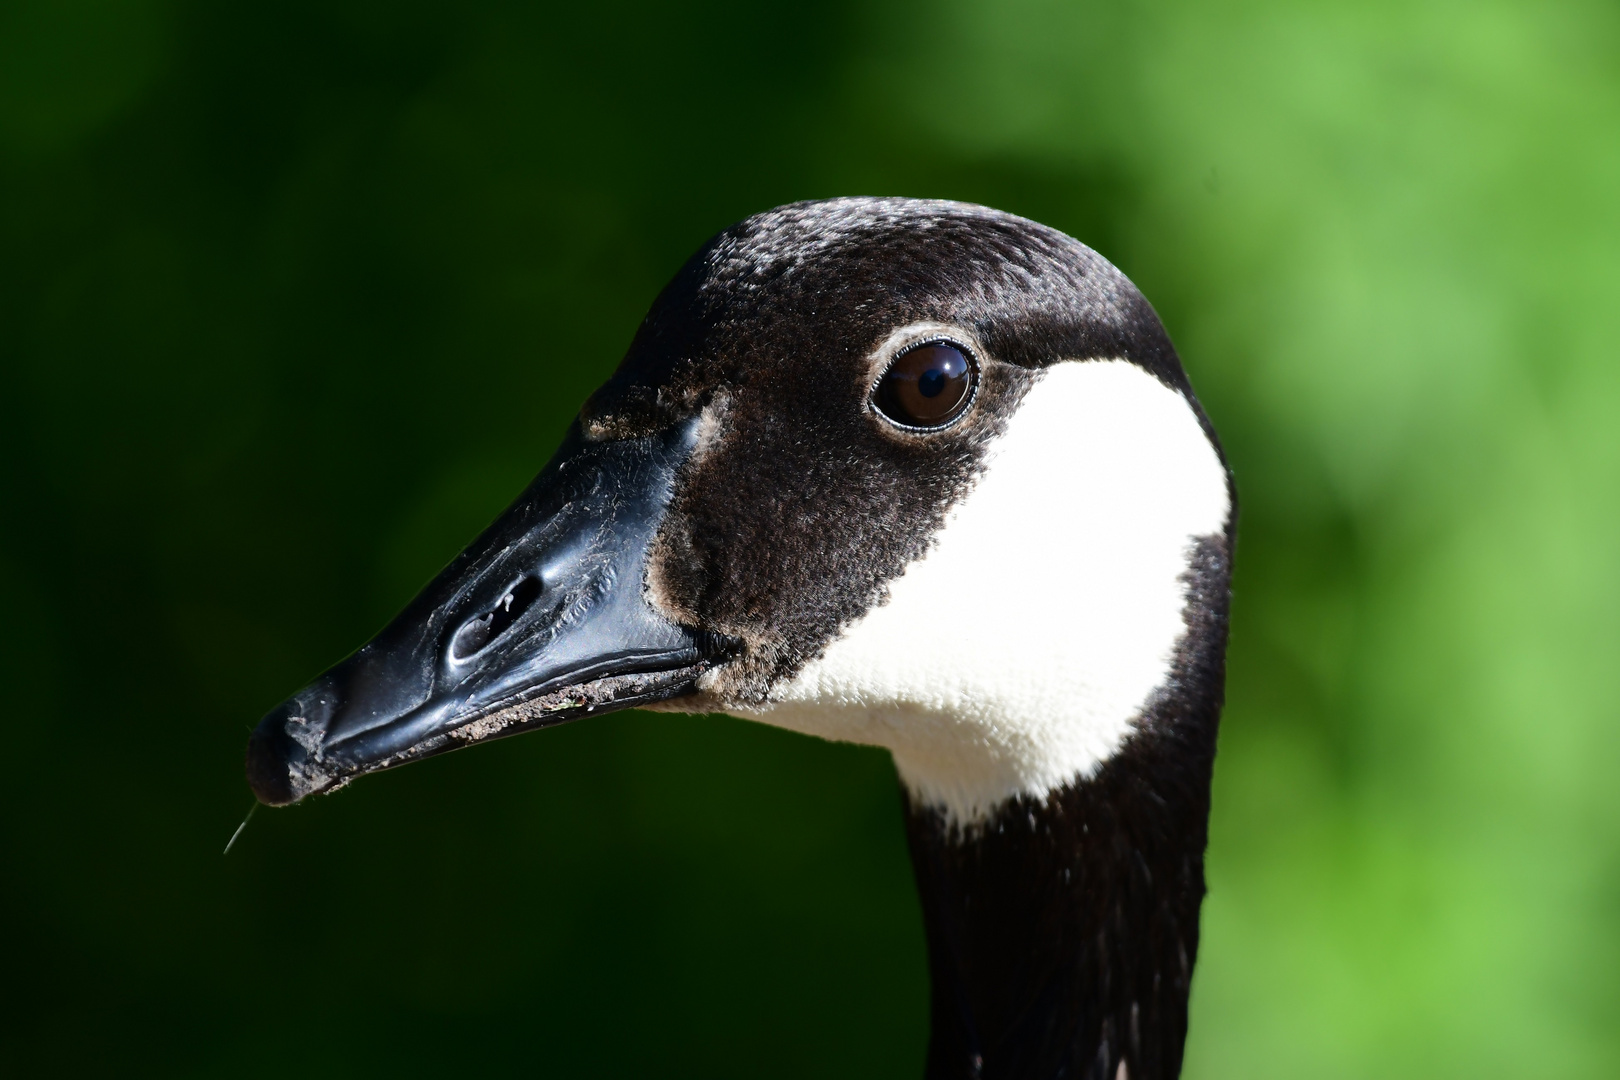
(928, 386)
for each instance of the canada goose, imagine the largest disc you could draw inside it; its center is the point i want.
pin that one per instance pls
(910, 473)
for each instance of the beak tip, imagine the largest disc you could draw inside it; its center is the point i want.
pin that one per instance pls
(269, 755)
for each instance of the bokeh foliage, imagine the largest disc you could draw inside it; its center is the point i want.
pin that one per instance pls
(295, 296)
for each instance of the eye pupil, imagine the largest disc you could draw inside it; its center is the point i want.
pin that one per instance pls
(927, 386)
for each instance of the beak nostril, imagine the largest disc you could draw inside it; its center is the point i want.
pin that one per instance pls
(476, 633)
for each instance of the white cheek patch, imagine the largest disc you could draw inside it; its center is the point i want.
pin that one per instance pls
(1014, 656)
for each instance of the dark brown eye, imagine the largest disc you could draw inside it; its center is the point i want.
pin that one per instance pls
(927, 386)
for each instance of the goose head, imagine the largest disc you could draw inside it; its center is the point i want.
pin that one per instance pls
(915, 474)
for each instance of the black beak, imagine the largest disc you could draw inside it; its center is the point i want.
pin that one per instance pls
(543, 619)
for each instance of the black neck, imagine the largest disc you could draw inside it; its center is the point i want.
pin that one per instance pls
(1062, 933)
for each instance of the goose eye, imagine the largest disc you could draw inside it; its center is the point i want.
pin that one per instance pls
(927, 386)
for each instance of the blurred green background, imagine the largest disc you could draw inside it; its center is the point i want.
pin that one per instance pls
(295, 296)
